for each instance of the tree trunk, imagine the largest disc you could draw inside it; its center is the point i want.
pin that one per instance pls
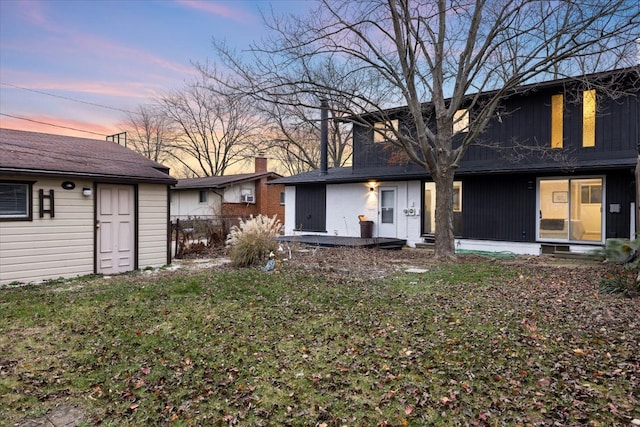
(445, 242)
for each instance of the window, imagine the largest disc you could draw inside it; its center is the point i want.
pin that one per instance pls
(15, 201)
(282, 198)
(203, 196)
(589, 118)
(382, 133)
(570, 209)
(557, 116)
(461, 121)
(429, 207)
(457, 196)
(591, 194)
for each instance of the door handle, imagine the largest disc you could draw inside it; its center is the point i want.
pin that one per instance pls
(98, 223)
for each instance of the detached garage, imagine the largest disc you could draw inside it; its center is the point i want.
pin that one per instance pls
(74, 206)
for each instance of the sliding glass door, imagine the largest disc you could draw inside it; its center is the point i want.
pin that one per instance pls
(570, 209)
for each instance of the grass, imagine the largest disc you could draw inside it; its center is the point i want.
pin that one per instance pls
(471, 343)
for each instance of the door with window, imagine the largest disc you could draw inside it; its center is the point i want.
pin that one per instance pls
(387, 212)
(115, 220)
(571, 209)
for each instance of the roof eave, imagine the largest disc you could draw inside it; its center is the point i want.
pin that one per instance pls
(95, 176)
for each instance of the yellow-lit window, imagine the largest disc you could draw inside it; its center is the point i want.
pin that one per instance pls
(461, 121)
(589, 118)
(557, 106)
(381, 131)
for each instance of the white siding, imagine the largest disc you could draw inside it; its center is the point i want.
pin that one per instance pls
(186, 204)
(233, 192)
(48, 248)
(289, 210)
(346, 201)
(152, 225)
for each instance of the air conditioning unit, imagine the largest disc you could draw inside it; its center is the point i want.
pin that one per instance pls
(247, 198)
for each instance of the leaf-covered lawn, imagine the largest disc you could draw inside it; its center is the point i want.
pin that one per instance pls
(337, 338)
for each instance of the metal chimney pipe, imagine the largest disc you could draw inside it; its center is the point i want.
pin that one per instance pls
(324, 136)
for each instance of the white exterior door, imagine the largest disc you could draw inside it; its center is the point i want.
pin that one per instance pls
(116, 227)
(387, 212)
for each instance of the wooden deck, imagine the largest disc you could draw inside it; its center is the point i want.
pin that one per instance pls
(340, 241)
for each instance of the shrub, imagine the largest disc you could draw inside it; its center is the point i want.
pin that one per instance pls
(253, 239)
(625, 278)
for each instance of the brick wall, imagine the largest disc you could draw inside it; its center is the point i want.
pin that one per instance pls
(267, 203)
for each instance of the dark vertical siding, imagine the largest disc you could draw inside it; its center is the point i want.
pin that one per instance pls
(311, 208)
(620, 190)
(499, 208)
(525, 120)
(504, 208)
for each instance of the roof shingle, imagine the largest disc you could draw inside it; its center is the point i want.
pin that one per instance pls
(24, 152)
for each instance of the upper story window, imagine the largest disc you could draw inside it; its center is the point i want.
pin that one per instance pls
(557, 118)
(203, 196)
(461, 121)
(15, 201)
(382, 133)
(589, 118)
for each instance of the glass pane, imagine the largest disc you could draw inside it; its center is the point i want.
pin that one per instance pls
(596, 194)
(429, 208)
(13, 200)
(584, 198)
(386, 206)
(556, 121)
(586, 210)
(554, 209)
(589, 118)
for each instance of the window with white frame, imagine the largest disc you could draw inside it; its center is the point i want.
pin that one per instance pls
(203, 196)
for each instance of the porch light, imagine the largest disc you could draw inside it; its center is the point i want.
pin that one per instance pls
(86, 192)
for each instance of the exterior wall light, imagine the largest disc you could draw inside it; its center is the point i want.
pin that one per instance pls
(86, 192)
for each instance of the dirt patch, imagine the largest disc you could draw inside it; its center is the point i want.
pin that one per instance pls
(63, 416)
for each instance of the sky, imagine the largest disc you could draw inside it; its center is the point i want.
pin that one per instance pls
(80, 65)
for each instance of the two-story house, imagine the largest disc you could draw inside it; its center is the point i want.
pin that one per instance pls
(553, 169)
(228, 197)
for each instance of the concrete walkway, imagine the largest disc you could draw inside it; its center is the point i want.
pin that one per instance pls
(64, 416)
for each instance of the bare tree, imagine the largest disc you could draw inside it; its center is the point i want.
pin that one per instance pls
(149, 132)
(454, 54)
(292, 116)
(294, 134)
(215, 128)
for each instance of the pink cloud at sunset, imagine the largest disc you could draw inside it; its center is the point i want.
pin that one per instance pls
(86, 64)
(219, 9)
(56, 126)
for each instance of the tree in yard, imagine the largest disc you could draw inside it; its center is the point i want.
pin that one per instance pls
(453, 54)
(215, 129)
(149, 132)
(291, 119)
